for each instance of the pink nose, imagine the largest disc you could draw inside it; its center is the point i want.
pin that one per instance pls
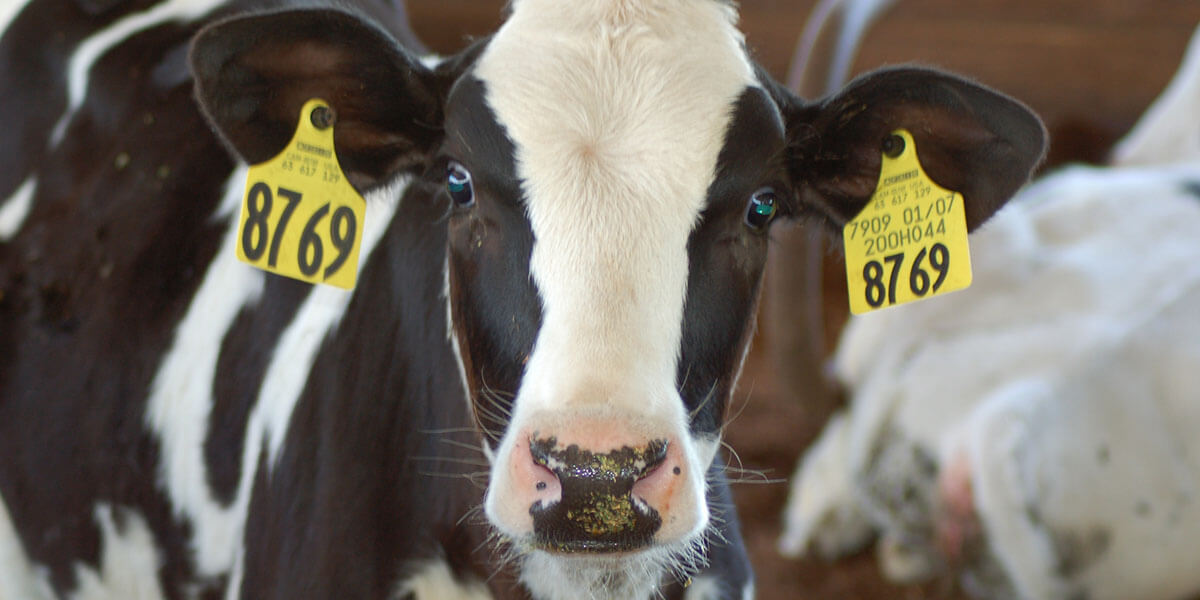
(584, 501)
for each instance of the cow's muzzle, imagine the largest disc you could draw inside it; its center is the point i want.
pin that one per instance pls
(599, 508)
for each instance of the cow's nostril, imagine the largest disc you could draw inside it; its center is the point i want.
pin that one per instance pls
(597, 511)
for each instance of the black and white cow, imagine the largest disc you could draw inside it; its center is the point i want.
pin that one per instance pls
(570, 317)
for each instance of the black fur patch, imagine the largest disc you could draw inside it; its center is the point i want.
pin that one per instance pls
(497, 310)
(245, 355)
(726, 260)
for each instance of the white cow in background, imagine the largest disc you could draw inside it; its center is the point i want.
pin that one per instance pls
(1038, 433)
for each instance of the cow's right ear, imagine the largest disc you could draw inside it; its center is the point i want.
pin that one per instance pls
(254, 73)
(971, 139)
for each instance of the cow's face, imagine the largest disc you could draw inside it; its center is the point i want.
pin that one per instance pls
(601, 285)
(610, 170)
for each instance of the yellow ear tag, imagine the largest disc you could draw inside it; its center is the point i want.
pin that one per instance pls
(910, 241)
(300, 217)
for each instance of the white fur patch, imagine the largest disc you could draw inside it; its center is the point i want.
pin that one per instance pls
(233, 590)
(80, 65)
(19, 579)
(435, 581)
(549, 577)
(15, 209)
(9, 11)
(129, 561)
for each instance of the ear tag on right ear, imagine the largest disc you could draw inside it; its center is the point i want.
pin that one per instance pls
(300, 217)
(910, 241)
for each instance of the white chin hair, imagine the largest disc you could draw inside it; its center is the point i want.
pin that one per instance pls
(632, 577)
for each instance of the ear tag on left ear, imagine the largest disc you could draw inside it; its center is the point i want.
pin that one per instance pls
(300, 217)
(910, 241)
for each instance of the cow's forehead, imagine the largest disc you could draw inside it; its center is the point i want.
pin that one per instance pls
(617, 113)
(605, 98)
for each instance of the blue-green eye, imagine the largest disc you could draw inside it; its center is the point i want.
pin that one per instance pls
(762, 208)
(458, 184)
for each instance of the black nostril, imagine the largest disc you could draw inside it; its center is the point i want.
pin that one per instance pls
(597, 511)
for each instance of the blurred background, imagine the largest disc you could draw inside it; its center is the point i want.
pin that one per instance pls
(1088, 67)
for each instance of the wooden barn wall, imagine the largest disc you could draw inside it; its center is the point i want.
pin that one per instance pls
(1083, 64)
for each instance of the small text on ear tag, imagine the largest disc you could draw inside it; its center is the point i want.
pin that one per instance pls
(300, 217)
(910, 241)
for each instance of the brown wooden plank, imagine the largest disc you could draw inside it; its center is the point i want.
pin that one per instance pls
(446, 25)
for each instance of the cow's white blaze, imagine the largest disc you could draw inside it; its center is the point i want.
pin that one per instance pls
(15, 209)
(618, 112)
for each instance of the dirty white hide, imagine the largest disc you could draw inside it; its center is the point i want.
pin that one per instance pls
(1038, 434)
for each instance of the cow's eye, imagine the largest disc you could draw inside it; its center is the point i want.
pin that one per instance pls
(458, 184)
(762, 208)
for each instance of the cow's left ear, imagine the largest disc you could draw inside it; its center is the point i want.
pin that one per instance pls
(969, 139)
(254, 73)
